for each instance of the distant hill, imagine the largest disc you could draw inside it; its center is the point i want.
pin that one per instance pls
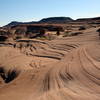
(56, 20)
(52, 20)
(14, 23)
(89, 19)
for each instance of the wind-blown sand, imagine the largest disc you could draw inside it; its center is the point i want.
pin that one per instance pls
(63, 69)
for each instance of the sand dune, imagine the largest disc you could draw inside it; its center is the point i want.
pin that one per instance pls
(67, 68)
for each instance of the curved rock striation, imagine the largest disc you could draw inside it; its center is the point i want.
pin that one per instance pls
(62, 69)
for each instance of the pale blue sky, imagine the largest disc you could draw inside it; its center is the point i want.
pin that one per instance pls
(30, 10)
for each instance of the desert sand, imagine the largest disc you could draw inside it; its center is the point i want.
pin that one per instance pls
(67, 68)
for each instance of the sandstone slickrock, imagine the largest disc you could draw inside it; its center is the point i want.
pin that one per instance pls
(66, 68)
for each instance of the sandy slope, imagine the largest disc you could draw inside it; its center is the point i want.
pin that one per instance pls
(62, 69)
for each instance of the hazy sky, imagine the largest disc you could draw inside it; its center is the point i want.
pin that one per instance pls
(30, 10)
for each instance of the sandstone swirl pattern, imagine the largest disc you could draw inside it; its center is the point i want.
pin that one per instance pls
(62, 69)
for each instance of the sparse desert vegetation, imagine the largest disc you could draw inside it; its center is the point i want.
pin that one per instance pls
(50, 61)
(82, 28)
(49, 49)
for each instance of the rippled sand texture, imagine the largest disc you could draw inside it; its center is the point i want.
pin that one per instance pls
(63, 69)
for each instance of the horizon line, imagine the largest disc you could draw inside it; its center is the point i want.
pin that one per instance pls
(36, 20)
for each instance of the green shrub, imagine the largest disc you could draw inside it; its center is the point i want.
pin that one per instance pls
(46, 37)
(18, 37)
(66, 34)
(3, 38)
(82, 28)
(98, 30)
(58, 33)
